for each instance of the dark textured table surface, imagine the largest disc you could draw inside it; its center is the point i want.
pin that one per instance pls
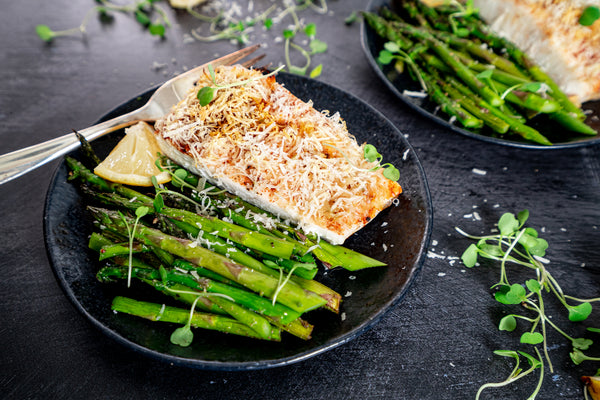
(436, 344)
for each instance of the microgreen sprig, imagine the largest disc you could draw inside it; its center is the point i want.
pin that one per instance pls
(140, 212)
(142, 11)
(389, 170)
(206, 94)
(392, 51)
(520, 245)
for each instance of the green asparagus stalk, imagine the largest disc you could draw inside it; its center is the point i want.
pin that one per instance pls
(160, 312)
(290, 294)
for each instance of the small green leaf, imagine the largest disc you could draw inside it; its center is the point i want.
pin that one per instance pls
(391, 173)
(577, 356)
(310, 30)
(533, 87)
(582, 343)
(268, 23)
(532, 338)
(45, 33)
(182, 336)
(489, 250)
(385, 57)
(141, 211)
(462, 32)
(539, 249)
(589, 15)
(531, 232)
(206, 95)
(142, 17)
(163, 274)
(522, 217)
(371, 154)
(288, 34)
(516, 294)
(392, 47)
(158, 203)
(469, 257)
(507, 353)
(157, 30)
(533, 285)
(316, 71)
(508, 224)
(508, 323)
(579, 312)
(317, 46)
(179, 177)
(592, 329)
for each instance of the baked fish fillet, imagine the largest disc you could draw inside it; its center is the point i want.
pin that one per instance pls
(550, 33)
(264, 144)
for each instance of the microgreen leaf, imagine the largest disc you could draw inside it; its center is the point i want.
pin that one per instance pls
(391, 172)
(592, 329)
(141, 211)
(507, 353)
(182, 336)
(163, 274)
(157, 30)
(469, 257)
(391, 47)
(589, 15)
(371, 154)
(45, 33)
(310, 30)
(532, 338)
(500, 294)
(533, 285)
(577, 356)
(516, 294)
(385, 57)
(317, 46)
(508, 323)
(316, 71)
(179, 176)
(533, 87)
(206, 95)
(158, 203)
(142, 17)
(288, 34)
(579, 312)
(268, 23)
(582, 343)
(508, 224)
(522, 217)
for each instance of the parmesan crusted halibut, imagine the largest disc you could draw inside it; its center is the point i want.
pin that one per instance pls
(550, 33)
(267, 146)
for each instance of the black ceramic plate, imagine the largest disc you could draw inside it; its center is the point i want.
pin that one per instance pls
(398, 236)
(398, 83)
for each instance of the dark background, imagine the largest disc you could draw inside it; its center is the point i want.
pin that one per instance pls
(437, 344)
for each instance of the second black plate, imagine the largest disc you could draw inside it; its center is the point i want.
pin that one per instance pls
(399, 83)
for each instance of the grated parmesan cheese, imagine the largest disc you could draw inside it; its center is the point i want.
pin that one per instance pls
(276, 151)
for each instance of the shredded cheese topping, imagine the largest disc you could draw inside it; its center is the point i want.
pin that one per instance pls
(280, 148)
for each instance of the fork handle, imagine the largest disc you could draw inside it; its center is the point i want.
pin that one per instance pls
(19, 162)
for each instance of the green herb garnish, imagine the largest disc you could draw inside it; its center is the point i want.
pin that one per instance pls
(589, 15)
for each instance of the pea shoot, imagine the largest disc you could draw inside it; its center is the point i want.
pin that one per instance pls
(521, 246)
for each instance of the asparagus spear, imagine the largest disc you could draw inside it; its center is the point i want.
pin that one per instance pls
(290, 294)
(160, 312)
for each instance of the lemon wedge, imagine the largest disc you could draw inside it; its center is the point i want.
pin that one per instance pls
(131, 162)
(185, 3)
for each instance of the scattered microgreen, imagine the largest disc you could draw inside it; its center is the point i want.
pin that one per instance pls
(282, 282)
(389, 170)
(206, 94)
(140, 212)
(393, 53)
(521, 246)
(316, 71)
(589, 15)
(517, 373)
(183, 336)
(145, 12)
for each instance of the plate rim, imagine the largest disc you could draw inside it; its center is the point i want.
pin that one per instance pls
(444, 122)
(261, 364)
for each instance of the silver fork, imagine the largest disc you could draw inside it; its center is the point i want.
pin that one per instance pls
(19, 162)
